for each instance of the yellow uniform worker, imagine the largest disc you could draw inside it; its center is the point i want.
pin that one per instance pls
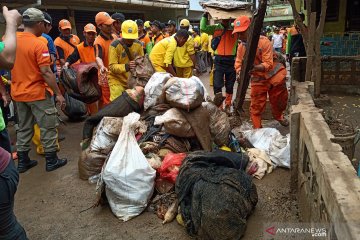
(204, 42)
(182, 60)
(120, 63)
(162, 54)
(197, 42)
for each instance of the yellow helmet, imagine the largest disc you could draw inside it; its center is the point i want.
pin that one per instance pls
(147, 24)
(184, 23)
(129, 29)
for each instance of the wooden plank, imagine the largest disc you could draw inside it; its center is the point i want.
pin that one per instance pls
(249, 57)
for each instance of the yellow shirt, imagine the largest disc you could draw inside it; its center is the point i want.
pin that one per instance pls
(163, 52)
(197, 42)
(204, 42)
(182, 54)
(210, 50)
(118, 59)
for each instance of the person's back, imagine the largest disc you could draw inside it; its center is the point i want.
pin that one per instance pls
(297, 47)
(162, 54)
(278, 41)
(27, 82)
(33, 86)
(204, 42)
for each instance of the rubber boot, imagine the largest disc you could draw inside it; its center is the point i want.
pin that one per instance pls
(24, 162)
(53, 162)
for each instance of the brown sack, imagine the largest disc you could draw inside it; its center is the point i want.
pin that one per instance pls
(142, 72)
(90, 163)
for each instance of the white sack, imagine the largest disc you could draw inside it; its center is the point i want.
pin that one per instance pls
(107, 132)
(154, 88)
(184, 93)
(128, 176)
(273, 143)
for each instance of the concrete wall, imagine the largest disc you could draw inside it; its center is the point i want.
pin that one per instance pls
(339, 73)
(322, 177)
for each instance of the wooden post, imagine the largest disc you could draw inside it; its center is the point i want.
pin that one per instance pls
(249, 57)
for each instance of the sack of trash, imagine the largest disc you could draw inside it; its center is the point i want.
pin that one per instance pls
(90, 163)
(128, 176)
(276, 146)
(120, 107)
(154, 89)
(219, 124)
(215, 194)
(175, 123)
(106, 135)
(81, 82)
(184, 93)
(74, 108)
(142, 72)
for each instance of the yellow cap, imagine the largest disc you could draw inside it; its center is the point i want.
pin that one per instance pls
(147, 24)
(129, 30)
(184, 23)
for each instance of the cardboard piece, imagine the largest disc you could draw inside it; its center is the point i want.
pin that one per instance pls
(218, 14)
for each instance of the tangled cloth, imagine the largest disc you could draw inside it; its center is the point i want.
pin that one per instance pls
(216, 196)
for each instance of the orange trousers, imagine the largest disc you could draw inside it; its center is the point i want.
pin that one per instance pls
(92, 108)
(105, 98)
(278, 97)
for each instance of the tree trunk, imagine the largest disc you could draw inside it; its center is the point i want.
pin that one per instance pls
(319, 31)
(310, 48)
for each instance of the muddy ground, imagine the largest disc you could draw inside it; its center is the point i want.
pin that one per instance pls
(345, 108)
(48, 205)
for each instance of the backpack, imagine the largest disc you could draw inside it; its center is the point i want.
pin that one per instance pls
(216, 40)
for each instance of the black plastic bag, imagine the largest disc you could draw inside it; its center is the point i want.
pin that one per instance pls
(74, 109)
(215, 194)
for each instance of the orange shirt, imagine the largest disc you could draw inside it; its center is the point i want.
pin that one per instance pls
(264, 56)
(43, 39)
(27, 83)
(158, 38)
(144, 39)
(86, 53)
(102, 45)
(65, 46)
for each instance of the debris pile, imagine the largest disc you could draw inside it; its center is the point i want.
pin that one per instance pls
(167, 148)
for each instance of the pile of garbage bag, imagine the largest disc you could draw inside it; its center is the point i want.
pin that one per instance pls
(167, 149)
(215, 194)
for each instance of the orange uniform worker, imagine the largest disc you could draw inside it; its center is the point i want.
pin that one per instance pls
(156, 30)
(119, 19)
(267, 76)
(85, 52)
(143, 36)
(65, 43)
(102, 44)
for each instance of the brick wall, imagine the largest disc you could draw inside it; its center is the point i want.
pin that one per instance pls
(342, 44)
